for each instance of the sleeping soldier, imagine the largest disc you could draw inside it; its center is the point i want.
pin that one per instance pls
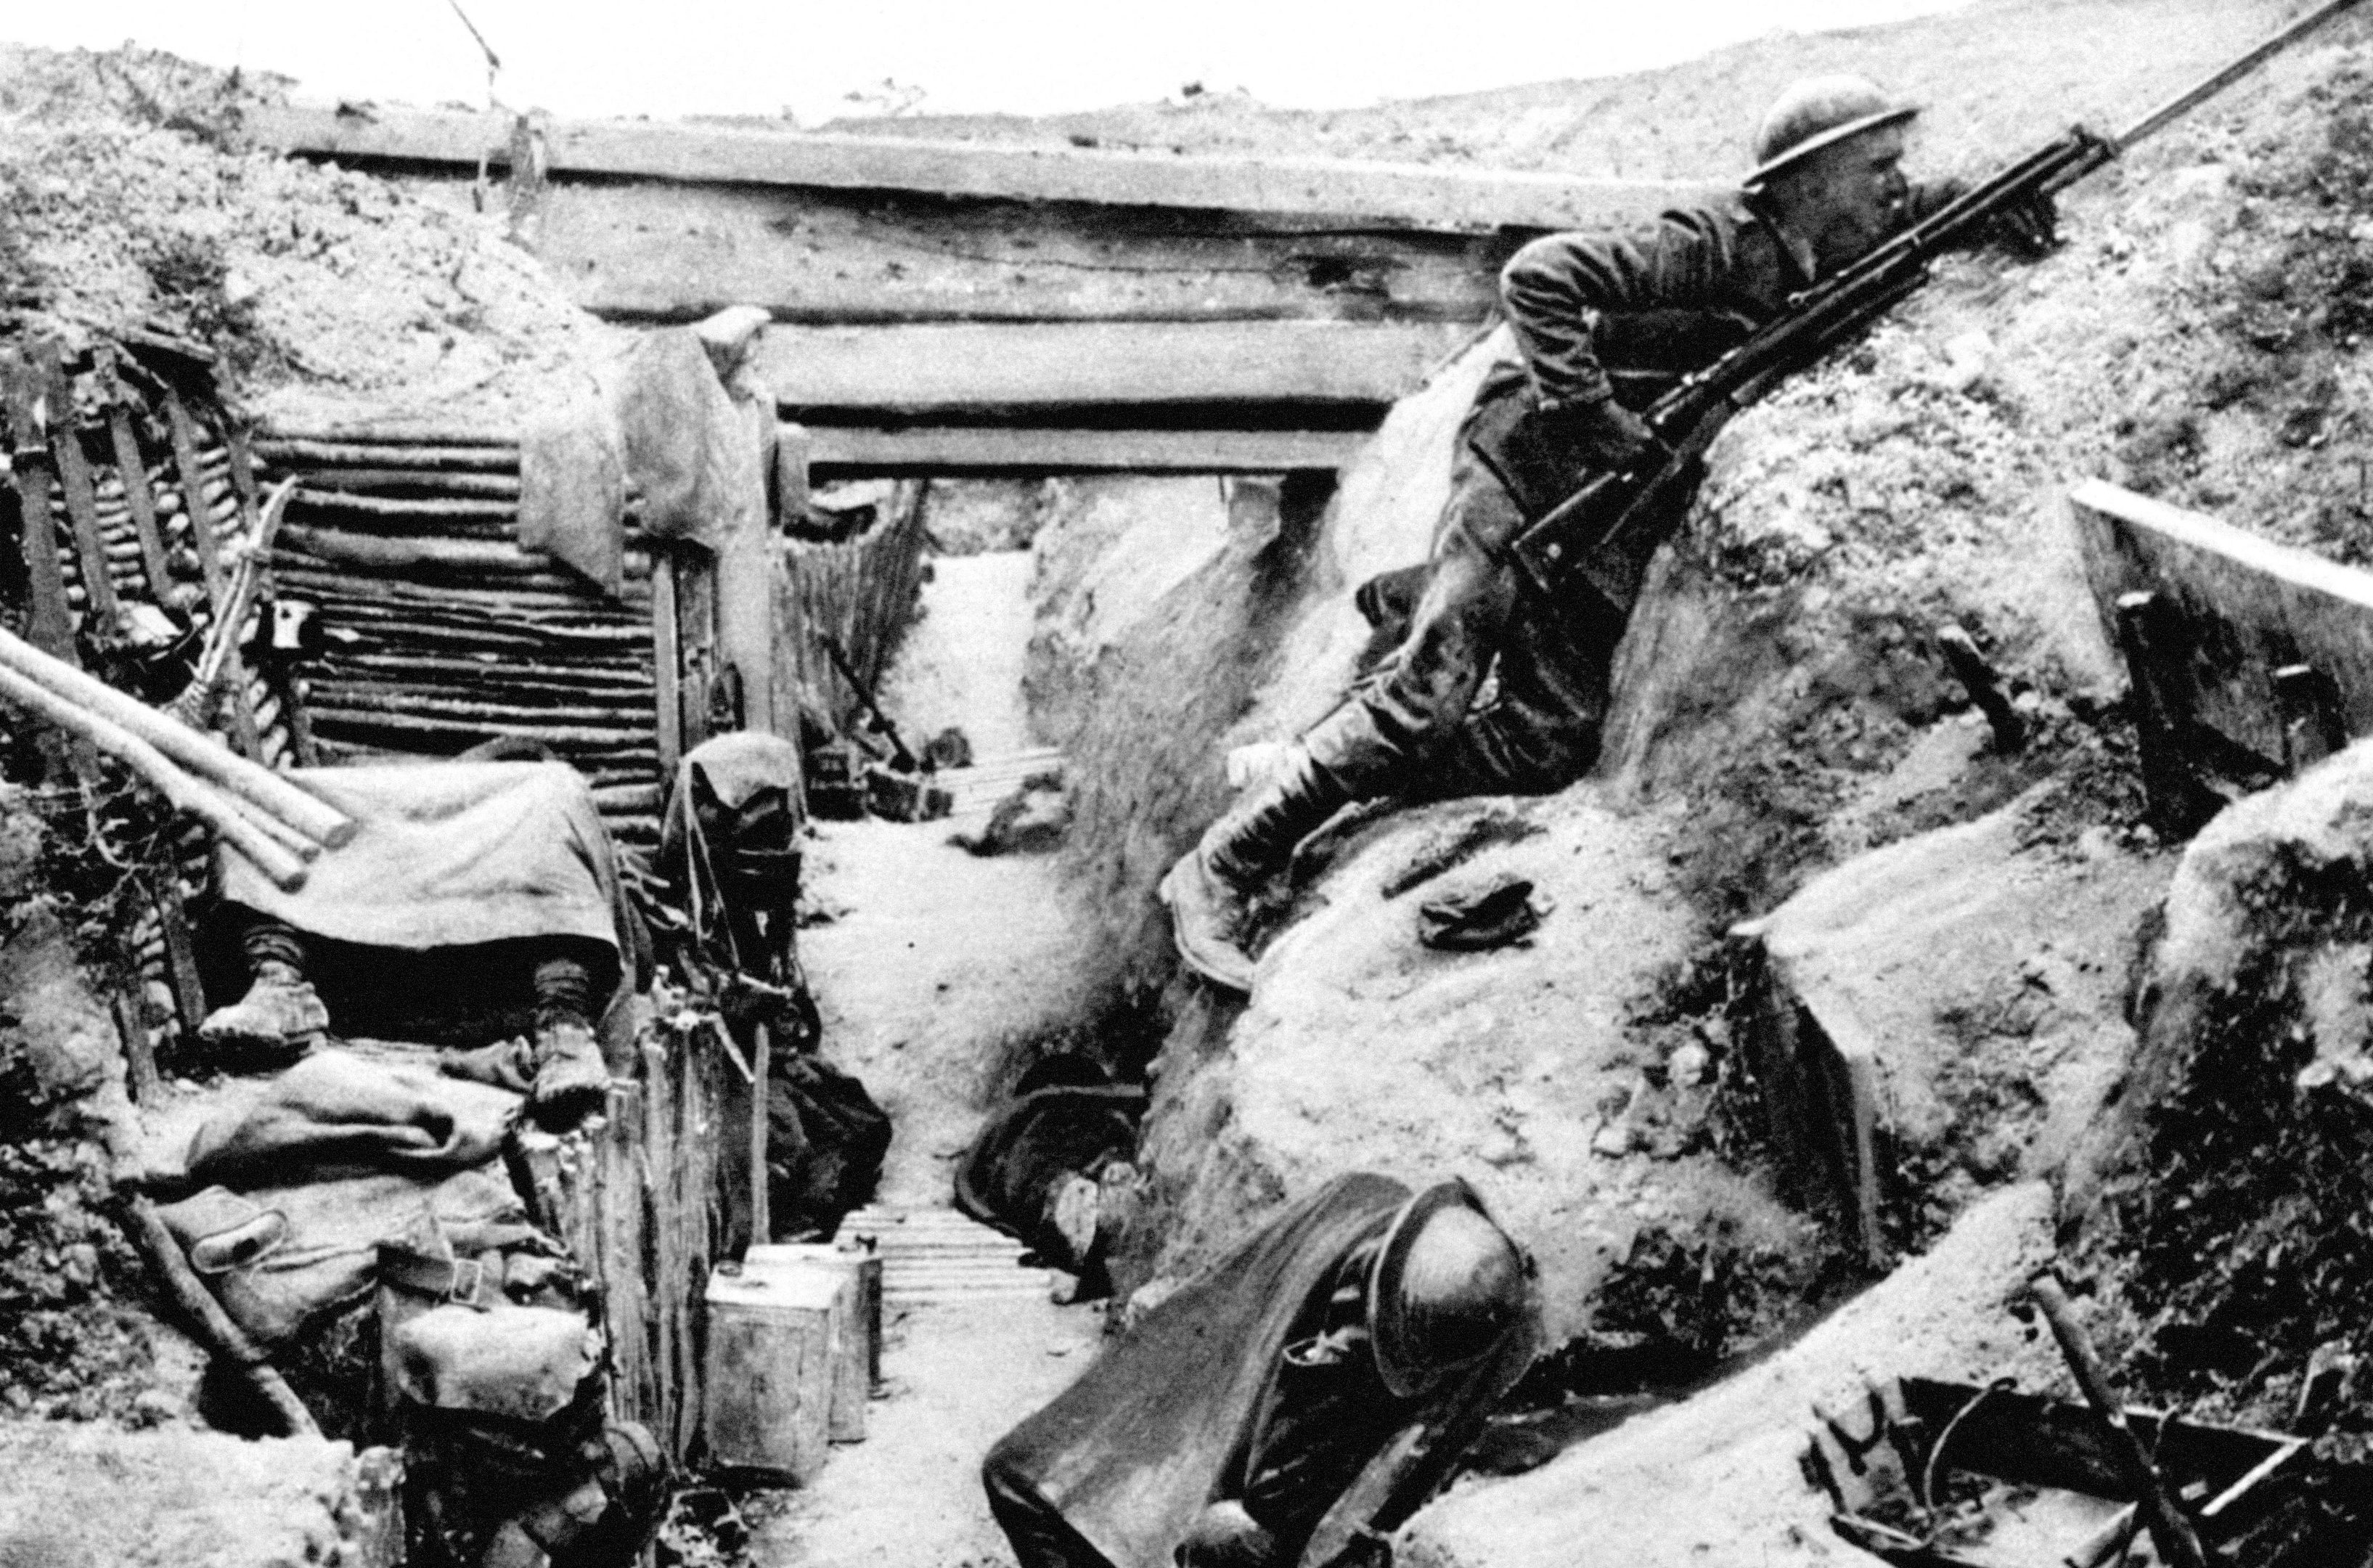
(1337, 1346)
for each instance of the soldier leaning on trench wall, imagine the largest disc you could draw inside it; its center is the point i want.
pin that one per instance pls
(1603, 323)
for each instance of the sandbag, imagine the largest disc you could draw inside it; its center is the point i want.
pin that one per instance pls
(336, 1114)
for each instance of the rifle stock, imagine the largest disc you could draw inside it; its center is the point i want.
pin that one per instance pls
(1598, 541)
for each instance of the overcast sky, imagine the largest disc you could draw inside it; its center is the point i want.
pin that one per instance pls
(1026, 57)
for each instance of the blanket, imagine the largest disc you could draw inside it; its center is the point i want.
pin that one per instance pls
(451, 855)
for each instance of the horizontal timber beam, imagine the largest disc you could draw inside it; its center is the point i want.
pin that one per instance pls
(2248, 608)
(1416, 195)
(645, 251)
(942, 450)
(968, 368)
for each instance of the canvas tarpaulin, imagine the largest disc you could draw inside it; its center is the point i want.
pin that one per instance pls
(451, 855)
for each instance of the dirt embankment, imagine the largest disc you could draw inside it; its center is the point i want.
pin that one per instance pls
(1998, 74)
(1782, 707)
(133, 200)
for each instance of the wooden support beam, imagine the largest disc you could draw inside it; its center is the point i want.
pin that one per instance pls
(1418, 195)
(647, 252)
(949, 368)
(131, 470)
(50, 627)
(82, 512)
(2249, 658)
(929, 449)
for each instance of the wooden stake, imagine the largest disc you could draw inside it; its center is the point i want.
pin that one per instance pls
(762, 1053)
(215, 1329)
(139, 1060)
(2169, 1531)
(194, 481)
(181, 953)
(82, 505)
(134, 472)
(51, 629)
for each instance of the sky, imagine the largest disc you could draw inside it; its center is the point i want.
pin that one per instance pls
(775, 57)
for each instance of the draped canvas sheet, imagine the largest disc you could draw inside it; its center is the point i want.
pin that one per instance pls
(451, 855)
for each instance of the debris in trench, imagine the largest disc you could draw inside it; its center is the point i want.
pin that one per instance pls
(1032, 820)
(1930, 1473)
(1502, 913)
(1977, 673)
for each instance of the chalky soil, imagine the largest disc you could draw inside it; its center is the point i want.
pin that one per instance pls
(935, 970)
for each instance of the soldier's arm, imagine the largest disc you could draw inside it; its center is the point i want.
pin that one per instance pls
(1555, 287)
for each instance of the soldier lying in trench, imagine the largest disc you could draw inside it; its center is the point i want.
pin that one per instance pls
(1297, 1382)
(1492, 690)
(1051, 1166)
(479, 900)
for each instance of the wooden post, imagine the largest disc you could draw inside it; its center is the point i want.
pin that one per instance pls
(193, 495)
(2311, 727)
(50, 629)
(666, 665)
(180, 953)
(2177, 1541)
(139, 1061)
(762, 1053)
(215, 1329)
(82, 502)
(134, 472)
(2161, 716)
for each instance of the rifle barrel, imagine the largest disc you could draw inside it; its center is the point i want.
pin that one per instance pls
(2182, 104)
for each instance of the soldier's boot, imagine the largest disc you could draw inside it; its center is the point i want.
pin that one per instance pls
(1209, 889)
(281, 1016)
(572, 1081)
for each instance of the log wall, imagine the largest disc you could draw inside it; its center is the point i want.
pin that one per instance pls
(637, 1200)
(441, 632)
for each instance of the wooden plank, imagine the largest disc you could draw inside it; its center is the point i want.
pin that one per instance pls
(2246, 608)
(1420, 196)
(847, 450)
(948, 368)
(644, 251)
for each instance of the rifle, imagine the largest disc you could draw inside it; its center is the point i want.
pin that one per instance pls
(901, 759)
(1600, 539)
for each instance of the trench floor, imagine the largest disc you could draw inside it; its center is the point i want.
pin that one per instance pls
(934, 969)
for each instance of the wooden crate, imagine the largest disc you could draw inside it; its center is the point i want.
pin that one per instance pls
(857, 1366)
(774, 1335)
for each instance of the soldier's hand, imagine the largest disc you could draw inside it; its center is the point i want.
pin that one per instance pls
(2028, 228)
(1610, 435)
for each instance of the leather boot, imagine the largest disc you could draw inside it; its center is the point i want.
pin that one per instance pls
(280, 1016)
(1208, 888)
(571, 1080)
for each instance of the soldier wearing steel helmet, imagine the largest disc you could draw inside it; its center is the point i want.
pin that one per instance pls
(1600, 325)
(1221, 1431)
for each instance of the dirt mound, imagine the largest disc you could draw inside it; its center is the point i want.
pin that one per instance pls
(1714, 1480)
(1997, 74)
(329, 294)
(1530, 1069)
(84, 1497)
(2225, 1202)
(1983, 969)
